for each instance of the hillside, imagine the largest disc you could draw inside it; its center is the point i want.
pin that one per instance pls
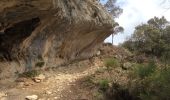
(69, 82)
(55, 50)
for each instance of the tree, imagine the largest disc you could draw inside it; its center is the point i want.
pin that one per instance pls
(113, 8)
(152, 38)
(115, 11)
(117, 29)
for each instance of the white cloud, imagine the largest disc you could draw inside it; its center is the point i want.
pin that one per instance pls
(136, 12)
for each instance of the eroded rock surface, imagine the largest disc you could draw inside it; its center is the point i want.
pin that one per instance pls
(51, 31)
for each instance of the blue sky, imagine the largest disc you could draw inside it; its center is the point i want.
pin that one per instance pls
(137, 12)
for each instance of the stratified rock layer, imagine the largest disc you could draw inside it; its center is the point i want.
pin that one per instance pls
(50, 31)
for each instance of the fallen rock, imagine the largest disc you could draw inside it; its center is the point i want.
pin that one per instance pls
(42, 99)
(127, 65)
(55, 98)
(2, 94)
(32, 97)
(39, 78)
(48, 92)
(98, 53)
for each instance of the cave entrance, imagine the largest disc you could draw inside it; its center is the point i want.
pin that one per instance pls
(15, 34)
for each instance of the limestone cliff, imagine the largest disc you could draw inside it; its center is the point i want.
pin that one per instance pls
(50, 31)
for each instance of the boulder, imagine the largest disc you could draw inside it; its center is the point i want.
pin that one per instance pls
(31, 97)
(127, 65)
(39, 78)
(53, 31)
(2, 95)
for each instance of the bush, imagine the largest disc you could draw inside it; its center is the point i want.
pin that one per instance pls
(99, 96)
(40, 64)
(154, 84)
(143, 71)
(165, 58)
(103, 85)
(88, 81)
(157, 86)
(118, 92)
(30, 74)
(110, 63)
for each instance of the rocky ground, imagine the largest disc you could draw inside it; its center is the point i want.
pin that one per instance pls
(70, 82)
(51, 85)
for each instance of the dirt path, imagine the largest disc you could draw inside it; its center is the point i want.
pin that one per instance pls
(52, 87)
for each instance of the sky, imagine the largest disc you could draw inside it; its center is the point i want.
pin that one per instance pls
(136, 12)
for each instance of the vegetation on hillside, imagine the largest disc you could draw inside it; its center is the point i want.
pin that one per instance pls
(150, 80)
(142, 75)
(152, 38)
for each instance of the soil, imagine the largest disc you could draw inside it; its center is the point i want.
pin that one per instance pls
(56, 86)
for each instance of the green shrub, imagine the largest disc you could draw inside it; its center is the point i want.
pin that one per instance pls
(88, 81)
(30, 74)
(165, 58)
(40, 64)
(157, 86)
(119, 92)
(103, 85)
(143, 71)
(110, 63)
(40, 57)
(153, 83)
(99, 96)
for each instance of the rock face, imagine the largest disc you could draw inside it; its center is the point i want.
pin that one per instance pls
(51, 31)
